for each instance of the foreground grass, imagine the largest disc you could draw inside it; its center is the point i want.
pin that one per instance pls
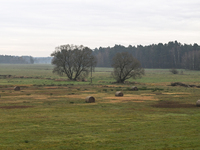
(57, 117)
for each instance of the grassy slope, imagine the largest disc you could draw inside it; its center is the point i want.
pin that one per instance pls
(60, 119)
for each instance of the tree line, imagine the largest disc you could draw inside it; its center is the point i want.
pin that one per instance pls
(7, 59)
(170, 55)
(42, 60)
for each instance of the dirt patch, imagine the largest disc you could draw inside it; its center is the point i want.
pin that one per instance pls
(184, 85)
(171, 104)
(14, 107)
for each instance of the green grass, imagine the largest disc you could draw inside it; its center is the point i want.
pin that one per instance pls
(163, 75)
(53, 115)
(100, 76)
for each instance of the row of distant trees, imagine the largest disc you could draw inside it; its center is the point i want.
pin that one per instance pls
(42, 60)
(170, 55)
(7, 59)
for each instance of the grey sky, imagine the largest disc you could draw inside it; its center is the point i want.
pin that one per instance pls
(36, 27)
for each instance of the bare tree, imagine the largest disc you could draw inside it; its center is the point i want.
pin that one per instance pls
(73, 61)
(126, 67)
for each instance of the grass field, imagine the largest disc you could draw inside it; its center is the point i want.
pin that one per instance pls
(50, 112)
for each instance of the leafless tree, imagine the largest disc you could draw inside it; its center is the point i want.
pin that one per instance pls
(126, 67)
(73, 61)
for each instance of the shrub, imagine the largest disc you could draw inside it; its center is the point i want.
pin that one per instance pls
(174, 71)
(105, 90)
(128, 89)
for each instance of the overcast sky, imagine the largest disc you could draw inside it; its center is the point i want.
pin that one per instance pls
(36, 27)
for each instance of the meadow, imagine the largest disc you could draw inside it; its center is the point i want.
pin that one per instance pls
(49, 112)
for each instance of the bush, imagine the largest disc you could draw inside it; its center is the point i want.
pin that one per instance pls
(105, 90)
(174, 71)
(128, 89)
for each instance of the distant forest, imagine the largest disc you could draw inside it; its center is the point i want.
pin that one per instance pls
(166, 56)
(7, 59)
(42, 60)
(170, 55)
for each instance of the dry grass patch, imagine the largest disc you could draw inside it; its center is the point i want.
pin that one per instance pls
(133, 97)
(87, 91)
(55, 87)
(112, 86)
(129, 98)
(178, 93)
(11, 101)
(81, 96)
(179, 96)
(123, 101)
(148, 94)
(23, 99)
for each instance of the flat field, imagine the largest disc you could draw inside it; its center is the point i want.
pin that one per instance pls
(49, 112)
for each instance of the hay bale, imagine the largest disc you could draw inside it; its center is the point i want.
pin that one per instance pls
(17, 88)
(134, 88)
(90, 99)
(119, 93)
(198, 103)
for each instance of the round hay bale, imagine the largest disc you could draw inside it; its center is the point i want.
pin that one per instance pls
(134, 88)
(17, 88)
(90, 99)
(119, 93)
(198, 103)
